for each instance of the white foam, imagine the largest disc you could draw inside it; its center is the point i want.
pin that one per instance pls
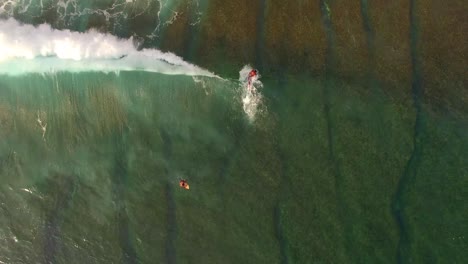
(28, 49)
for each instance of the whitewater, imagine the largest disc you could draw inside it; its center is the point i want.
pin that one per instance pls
(27, 49)
(42, 49)
(251, 96)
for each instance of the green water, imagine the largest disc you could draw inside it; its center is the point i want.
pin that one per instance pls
(311, 179)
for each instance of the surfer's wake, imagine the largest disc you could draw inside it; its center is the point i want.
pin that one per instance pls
(251, 96)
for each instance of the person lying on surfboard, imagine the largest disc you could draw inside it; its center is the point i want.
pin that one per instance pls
(252, 74)
(184, 184)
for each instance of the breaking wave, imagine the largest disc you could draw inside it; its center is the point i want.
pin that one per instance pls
(42, 49)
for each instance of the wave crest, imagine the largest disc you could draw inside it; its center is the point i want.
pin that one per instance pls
(28, 49)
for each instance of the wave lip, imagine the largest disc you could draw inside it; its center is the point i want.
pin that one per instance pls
(42, 49)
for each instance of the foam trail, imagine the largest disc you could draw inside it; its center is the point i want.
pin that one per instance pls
(251, 97)
(28, 49)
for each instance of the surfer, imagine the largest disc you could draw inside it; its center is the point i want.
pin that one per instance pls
(252, 75)
(184, 184)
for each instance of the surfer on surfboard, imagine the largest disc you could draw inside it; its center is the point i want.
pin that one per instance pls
(252, 75)
(184, 184)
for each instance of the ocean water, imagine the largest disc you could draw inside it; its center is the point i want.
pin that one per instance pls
(90, 164)
(96, 132)
(91, 161)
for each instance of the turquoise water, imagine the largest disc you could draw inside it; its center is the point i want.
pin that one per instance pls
(292, 185)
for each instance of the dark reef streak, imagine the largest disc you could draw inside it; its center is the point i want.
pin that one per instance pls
(370, 36)
(171, 231)
(51, 231)
(343, 213)
(241, 129)
(231, 155)
(53, 220)
(193, 32)
(279, 234)
(171, 225)
(167, 144)
(372, 82)
(119, 181)
(284, 191)
(277, 219)
(329, 58)
(410, 172)
(260, 42)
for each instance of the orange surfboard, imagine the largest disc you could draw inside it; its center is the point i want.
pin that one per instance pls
(184, 184)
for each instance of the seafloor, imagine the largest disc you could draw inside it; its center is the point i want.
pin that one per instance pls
(358, 154)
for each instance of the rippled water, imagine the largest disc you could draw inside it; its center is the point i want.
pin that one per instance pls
(96, 132)
(90, 164)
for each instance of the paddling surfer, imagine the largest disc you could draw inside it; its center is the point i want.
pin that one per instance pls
(184, 184)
